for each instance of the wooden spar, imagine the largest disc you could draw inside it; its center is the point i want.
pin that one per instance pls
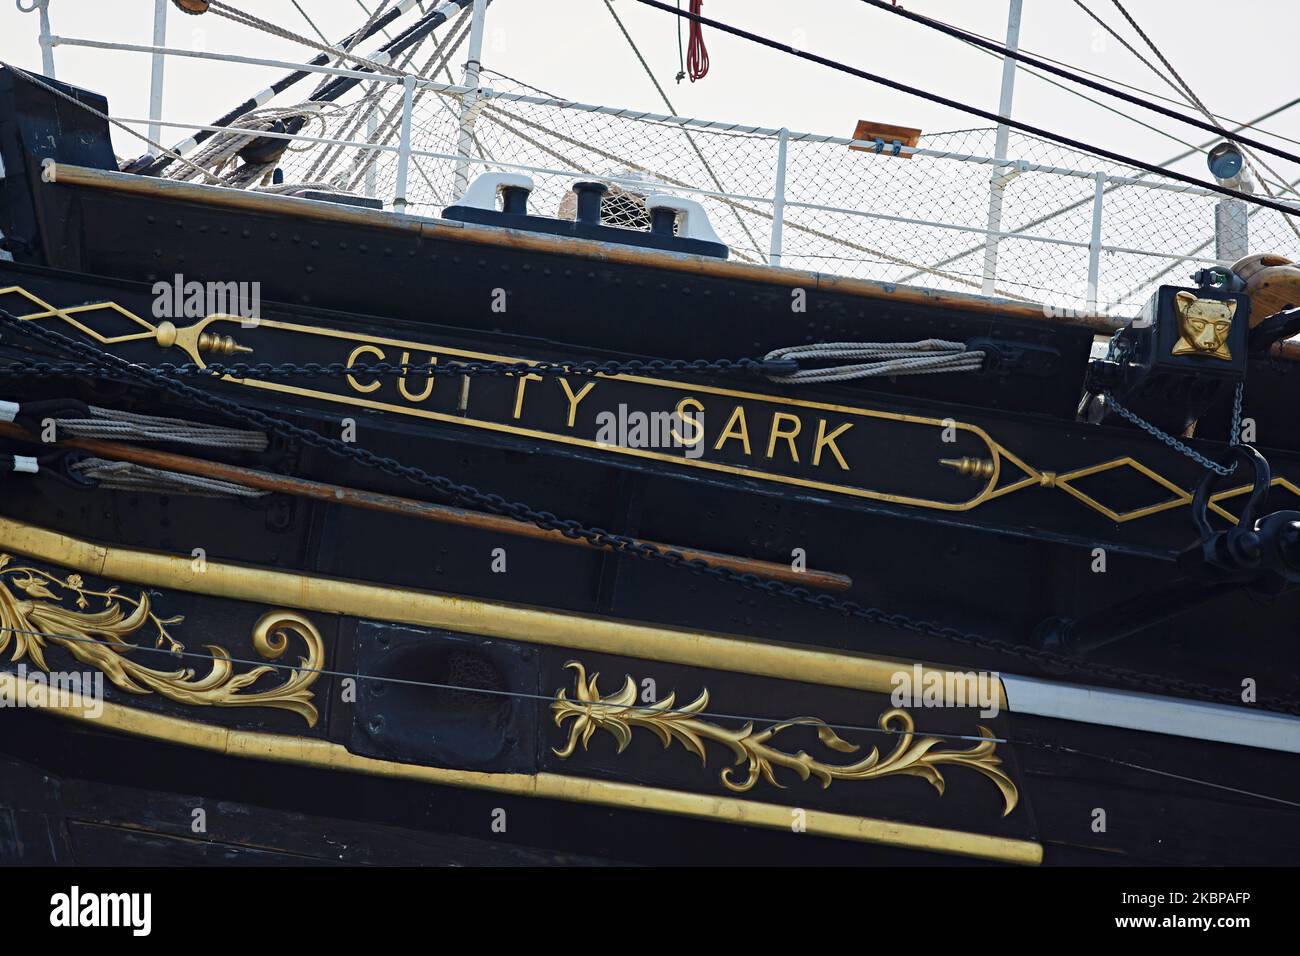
(413, 508)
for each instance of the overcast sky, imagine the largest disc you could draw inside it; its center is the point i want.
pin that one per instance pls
(1239, 57)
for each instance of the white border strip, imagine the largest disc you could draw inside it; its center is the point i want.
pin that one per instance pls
(1157, 715)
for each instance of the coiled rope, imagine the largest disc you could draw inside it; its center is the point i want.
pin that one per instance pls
(127, 476)
(926, 357)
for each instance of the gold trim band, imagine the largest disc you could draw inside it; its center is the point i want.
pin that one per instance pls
(427, 609)
(330, 756)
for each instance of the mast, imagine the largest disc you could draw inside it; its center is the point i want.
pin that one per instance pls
(1001, 176)
(156, 72)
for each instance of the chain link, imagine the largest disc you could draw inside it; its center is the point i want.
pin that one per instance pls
(462, 494)
(1179, 446)
(263, 370)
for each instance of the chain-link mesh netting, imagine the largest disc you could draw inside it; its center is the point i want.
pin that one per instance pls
(923, 219)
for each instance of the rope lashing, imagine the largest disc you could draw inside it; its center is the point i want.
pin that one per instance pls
(875, 359)
(223, 148)
(127, 476)
(75, 420)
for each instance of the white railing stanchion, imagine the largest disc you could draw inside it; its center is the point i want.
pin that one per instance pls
(778, 198)
(156, 72)
(404, 144)
(1094, 245)
(45, 40)
(469, 101)
(372, 174)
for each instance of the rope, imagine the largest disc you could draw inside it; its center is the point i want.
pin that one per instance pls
(117, 425)
(697, 57)
(353, 42)
(128, 476)
(986, 114)
(1248, 155)
(1046, 660)
(927, 357)
(1049, 67)
(390, 125)
(247, 19)
(224, 147)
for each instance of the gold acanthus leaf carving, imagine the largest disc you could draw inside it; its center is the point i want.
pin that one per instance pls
(33, 616)
(618, 714)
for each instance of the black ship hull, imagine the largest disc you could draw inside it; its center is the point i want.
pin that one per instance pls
(445, 706)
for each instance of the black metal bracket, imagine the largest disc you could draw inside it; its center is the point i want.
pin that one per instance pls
(1259, 553)
(1004, 357)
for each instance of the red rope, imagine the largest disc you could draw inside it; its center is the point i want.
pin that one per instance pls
(697, 57)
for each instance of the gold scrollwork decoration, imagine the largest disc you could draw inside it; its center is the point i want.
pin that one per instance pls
(618, 714)
(33, 616)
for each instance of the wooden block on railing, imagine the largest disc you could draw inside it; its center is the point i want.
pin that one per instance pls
(868, 131)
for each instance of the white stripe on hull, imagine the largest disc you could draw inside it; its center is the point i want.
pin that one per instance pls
(1158, 715)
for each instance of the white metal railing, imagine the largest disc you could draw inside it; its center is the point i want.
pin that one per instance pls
(771, 205)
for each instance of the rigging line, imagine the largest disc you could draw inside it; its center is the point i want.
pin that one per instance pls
(162, 162)
(1061, 748)
(310, 21)
(1277, 179)
(1186, 89)
(682, 711)
(975, 110)
(1017, 55)
(1095, 102)
(171, 154)
(368, 28)
(1128, 46)
(368, 103)
(248, 20)
(527, 86)
(689, 138)
(681, 57)
(1127, 86)
(380, 8)
(1250, 157)
(459, 492)
(1084, 202)
(365, 159)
